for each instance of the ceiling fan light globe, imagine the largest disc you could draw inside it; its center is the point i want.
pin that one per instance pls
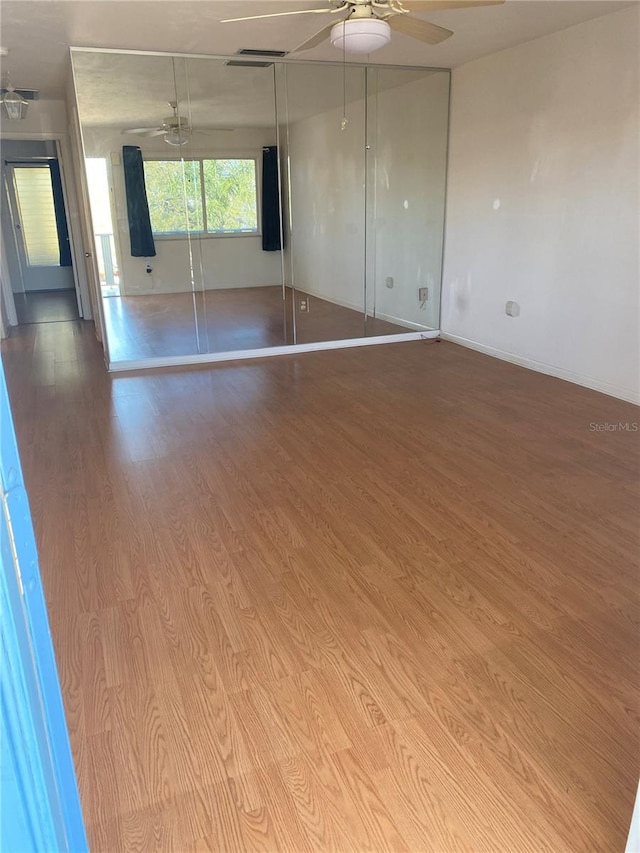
(176, 137)
(360, 35)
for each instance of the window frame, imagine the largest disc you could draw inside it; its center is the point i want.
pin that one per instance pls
(200, 158)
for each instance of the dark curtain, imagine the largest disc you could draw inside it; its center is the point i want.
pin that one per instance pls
(61, 218)
(271, 230)
(140, 233)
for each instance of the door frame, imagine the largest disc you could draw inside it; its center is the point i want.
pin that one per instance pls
(81, 283)
(15, 211)
(6, 295)
(86, 231)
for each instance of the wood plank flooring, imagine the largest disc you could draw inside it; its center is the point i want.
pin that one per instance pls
(377, 599)
(170, 324)
(46, 306)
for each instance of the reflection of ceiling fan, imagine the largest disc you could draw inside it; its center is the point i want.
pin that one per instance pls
(368, 23)
(175, 128)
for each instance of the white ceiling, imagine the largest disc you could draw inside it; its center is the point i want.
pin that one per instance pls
(38, 33)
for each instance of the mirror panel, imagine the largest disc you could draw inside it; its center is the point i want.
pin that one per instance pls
(236, 248)
(406, 181)
(123, 100)
(325, 146)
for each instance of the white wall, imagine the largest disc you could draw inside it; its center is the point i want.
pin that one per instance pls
(45, 117)
(543, 204)
(226, 261)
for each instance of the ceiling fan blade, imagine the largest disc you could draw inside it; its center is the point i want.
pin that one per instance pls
(417, 29)
(141, 131)
(211, 131)
(314, 41)
(283, 14)
(434, 5)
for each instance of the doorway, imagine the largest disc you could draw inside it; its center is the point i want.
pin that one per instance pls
(36, 234)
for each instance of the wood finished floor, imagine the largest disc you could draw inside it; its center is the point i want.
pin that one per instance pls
(46, 306)
(170, 324)
(364, 600)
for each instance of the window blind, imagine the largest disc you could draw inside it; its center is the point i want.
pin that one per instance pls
(37, 216)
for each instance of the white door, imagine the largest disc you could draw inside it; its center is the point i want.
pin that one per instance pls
(34, 221)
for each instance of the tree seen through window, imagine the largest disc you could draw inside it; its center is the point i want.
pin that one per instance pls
(214, 196)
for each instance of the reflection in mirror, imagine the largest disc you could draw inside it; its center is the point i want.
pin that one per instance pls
(204, 279)
(236, 246)
(325, 149)
(124, 106)
(240, 204)
(407, 159)
(366, 172)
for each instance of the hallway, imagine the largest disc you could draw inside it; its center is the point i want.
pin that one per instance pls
(46, 306)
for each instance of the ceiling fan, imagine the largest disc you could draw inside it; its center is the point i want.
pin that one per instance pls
(174, 128)
(368, 23)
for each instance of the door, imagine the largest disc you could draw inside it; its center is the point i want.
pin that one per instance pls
(39, 803)
(42, 240)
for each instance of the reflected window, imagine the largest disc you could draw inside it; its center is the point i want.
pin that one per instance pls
(208, 196)
(174, 193)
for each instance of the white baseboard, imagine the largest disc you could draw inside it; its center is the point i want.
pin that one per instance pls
(343, 303)
(389, 318)
(158, 291)
(550, 369)
(265, 352)
(398, 321)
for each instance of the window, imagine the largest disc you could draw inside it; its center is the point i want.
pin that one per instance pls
(206, 196)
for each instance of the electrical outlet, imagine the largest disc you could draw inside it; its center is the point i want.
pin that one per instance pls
(304, 306)
(389, 281)
(423, 295)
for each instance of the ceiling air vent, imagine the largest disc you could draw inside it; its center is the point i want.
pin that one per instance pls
(27, 94)
(248, 63)
(247, 51)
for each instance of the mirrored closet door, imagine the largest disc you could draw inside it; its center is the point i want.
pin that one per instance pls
(241, 204)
